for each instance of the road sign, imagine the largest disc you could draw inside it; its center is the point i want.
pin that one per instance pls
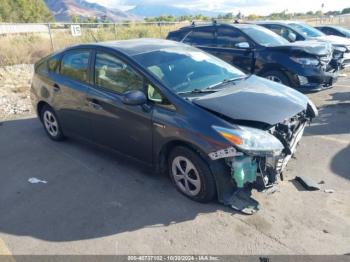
(76, 30)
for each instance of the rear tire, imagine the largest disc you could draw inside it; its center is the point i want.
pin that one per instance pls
(51, 124)
(191, 175)
(277, 76)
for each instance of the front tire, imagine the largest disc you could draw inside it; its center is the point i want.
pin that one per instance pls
(51, 124)
(191, 175)
(277, 76)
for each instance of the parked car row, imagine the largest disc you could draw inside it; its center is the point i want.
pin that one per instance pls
(297, 31)
(290, 53)
(205, 117)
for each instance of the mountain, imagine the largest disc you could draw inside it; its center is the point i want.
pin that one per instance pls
(63, 10)
(155, 10)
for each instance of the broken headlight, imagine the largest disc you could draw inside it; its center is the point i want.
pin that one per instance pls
(340, 48)
(251, 140)
(308, 61)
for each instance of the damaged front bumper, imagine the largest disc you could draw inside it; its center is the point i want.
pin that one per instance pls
(259, 170)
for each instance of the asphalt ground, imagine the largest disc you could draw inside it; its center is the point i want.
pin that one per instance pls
(99, 202)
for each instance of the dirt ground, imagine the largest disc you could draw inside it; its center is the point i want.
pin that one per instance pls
(98, 202)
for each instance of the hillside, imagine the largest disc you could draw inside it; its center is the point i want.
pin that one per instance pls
(155, 10)
(63, 10)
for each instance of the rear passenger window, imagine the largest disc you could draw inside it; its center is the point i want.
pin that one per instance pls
(114, 75)
(229, 37)
(201, 36)
(75, 65)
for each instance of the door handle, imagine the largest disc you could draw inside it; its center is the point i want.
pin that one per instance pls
(56, 88)
(94, 103)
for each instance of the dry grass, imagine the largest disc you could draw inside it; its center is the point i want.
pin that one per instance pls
(27, 49)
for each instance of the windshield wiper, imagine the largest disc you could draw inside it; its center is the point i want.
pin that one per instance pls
(197, 91)
(225, 81)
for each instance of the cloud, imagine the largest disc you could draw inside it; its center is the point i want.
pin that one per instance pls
(246, 6)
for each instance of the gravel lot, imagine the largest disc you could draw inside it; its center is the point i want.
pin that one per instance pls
(99, 202)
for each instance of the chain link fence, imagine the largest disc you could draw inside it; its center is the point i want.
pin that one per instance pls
(27, 43)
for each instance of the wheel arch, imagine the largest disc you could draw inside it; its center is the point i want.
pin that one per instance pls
(40, 107)
(272, 67)
(163, 154)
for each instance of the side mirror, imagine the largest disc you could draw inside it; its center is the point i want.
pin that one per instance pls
(243, 45)
(292, 37)
(134, 98)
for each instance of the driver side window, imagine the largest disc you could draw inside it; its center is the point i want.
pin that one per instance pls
(229, 38)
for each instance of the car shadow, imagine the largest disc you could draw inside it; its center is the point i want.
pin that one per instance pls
(332, 119)
(90, 191)
(340, 163)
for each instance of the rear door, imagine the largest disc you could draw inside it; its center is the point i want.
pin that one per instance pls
(70, 88)
(234, 47)
(125, 128)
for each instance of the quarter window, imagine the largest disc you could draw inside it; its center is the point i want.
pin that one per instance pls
(229, 37)
(53, 63)
(75, 65)
(114, 75)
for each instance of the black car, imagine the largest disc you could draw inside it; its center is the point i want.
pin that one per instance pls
(297, 31)
(334, 30)
(256, 50)
(213, 128)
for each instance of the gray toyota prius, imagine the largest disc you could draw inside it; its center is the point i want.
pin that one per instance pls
(216, 131)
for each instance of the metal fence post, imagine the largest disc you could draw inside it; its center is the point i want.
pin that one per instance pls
(160, 30)
(52, 46)
(115, 31)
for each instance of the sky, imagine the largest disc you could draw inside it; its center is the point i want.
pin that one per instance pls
(259, 7)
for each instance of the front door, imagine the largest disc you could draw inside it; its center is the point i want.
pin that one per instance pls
(126, 128)
(233, 47)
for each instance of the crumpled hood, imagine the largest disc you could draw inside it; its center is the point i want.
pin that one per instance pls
(255, 99)
(311, 47)
(335, 40)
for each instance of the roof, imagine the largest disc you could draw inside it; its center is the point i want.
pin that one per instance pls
(219, 24)
(135, 46)
(281, 22)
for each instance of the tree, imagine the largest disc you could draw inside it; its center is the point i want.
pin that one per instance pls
(24, 11)
(253, 17)
(319, 13)
(346, 11)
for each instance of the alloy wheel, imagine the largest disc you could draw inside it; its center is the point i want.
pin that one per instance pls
(50, 123)
(186, 176)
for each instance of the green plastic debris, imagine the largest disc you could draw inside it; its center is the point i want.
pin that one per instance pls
(244, 170)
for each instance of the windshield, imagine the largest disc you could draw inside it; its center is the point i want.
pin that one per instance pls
(307, 30)
(264, 36)
(343, 30)
(185, 69)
